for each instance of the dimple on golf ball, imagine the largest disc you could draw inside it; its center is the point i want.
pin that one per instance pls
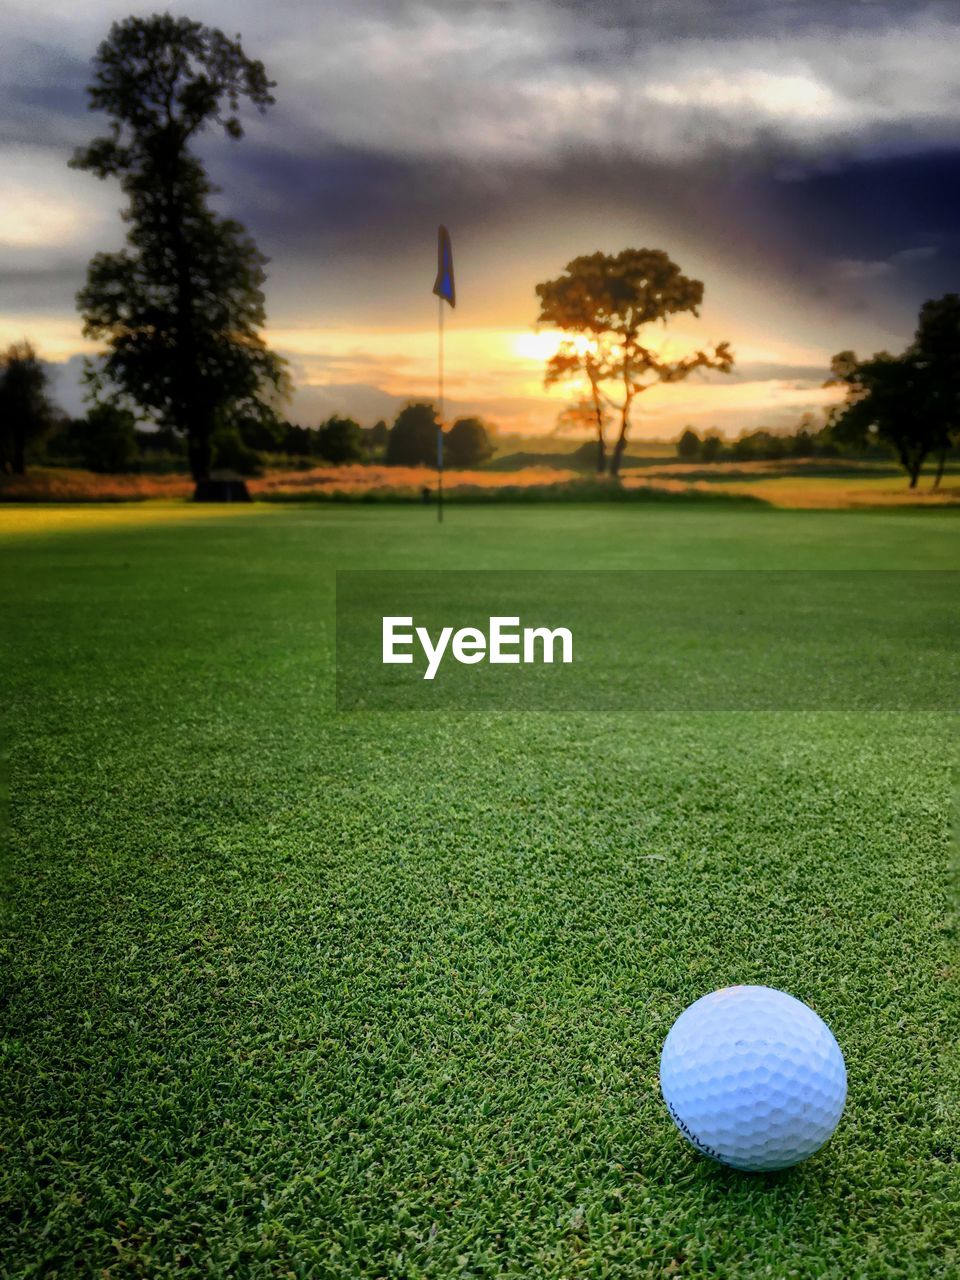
(753, 1078)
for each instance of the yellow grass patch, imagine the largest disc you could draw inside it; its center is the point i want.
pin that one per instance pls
(409, 480)
(776, 483)
(35, 518)
(814, 488)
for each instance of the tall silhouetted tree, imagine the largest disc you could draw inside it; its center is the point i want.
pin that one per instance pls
(912, 401)
(26, 413)
(604, 302)
(936, 350)
(886, 397)
(181, 307)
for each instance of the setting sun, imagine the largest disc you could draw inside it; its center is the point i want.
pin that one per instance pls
(536, 346)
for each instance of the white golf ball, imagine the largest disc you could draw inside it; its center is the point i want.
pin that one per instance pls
(753, 1078)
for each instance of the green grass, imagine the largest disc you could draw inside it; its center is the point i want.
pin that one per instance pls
(382, 995)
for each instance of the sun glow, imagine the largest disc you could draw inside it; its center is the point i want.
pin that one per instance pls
(541, 346)
(536, 346)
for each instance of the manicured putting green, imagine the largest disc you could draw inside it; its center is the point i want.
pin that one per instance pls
(383, 995)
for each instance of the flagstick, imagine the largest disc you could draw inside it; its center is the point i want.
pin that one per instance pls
(440, 422)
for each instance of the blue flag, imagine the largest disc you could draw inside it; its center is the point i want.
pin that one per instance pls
(443, 286)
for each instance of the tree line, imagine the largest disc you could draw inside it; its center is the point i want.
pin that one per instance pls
(110, 439)
(805, 441)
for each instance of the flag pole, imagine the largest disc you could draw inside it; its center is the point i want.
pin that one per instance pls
(443, 287)
(440, 421)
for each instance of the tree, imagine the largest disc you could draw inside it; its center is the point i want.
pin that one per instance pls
(108, 438)
(297, 441)
(936, 351)
(762, 445)
(467, 443)
(911, 401)
(377, 435)
(688, 446)
(340, 440)
(180, 308)
(604, 302)
(256, 433)
(742, 449)
(26, 413)
(888, 397)
(711, 447)
(413, 439)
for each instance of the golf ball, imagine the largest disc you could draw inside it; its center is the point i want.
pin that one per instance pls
(753, 1078)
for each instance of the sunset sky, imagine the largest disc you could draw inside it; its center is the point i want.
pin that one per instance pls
(802, 160)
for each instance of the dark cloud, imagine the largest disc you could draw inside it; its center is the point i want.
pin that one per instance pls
(875, 208)
(42, 288)
(892, 216)
(42, 97)
(897, 211)
(686, 19)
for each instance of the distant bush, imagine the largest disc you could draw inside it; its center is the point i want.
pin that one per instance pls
(340, 440)
(107, 437)
(467, 443)
(261, 433)
(298, 441)
(26, 413)
(161, 451)
(688, 446)
(376, 437)
(232, 453)
(106, 441)
(711, 447)
(413, 439)
(764, 445)
(741, 450)
(61, 447)
(587, 457)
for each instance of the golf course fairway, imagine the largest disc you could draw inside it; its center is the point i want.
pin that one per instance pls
(298, 993)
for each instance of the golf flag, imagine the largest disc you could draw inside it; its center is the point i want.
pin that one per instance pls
(443, 286)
